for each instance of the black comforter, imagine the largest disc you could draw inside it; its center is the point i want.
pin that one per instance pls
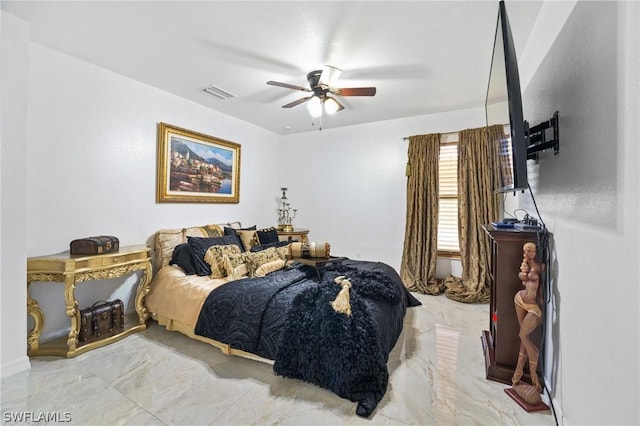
(287, 317)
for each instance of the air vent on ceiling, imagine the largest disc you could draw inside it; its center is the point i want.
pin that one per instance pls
(217, 92)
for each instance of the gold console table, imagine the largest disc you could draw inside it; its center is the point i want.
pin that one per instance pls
(72, 269)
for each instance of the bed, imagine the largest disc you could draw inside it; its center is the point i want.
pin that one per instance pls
(239, 290)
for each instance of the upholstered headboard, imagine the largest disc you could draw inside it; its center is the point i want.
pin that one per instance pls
(165, 240)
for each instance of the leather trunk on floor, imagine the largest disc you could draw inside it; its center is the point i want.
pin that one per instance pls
(101, 320)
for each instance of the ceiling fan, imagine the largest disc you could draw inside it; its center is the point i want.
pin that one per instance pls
(323, 92)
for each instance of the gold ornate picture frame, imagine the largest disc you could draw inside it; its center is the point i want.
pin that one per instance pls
(196, 168)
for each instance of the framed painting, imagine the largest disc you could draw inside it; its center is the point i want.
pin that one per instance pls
(196, 168)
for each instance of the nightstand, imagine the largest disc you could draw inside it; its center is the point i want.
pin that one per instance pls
(297, 234)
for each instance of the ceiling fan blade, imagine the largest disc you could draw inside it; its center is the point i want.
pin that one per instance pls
(288, 86)
(298, 102)
(329, 76)
(330, 108)
(356, 91)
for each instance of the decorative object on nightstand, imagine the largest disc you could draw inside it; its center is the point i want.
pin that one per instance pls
(286, 214)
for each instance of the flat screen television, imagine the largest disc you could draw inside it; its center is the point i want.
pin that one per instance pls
(504, 106)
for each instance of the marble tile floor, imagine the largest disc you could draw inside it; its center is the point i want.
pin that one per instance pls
(160, 377)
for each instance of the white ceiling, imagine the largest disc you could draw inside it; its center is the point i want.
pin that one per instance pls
(423, 56)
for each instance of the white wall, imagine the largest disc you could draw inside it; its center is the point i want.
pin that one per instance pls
(91, 170)
(588, 198)
(13, 134)
(349, 184)
(92, 156)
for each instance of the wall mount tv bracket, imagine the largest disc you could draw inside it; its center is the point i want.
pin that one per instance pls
(537, 137)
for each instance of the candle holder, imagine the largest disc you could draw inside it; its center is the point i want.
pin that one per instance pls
(286, 213)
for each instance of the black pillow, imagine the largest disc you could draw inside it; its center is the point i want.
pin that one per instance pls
(269, 245)
(200, 245)
(268, 236)
(183, 257)
(232, 231)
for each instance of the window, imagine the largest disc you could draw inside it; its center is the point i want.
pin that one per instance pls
(448, 196)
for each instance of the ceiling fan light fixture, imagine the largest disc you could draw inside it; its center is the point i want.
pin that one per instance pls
(329, 76)
(331, 106)
(323, 95)
(315, 107)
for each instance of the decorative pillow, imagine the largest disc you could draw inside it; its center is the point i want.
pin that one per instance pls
(183, 257)
(284, 252)
(235, 266)
(215, 258)
(312, 249)
(257, 259)
(214, 231)
(264, 269)
(268, 235)
(167, 239)
(261, 247)
(199, 246)
(234, 230)
(249, 239)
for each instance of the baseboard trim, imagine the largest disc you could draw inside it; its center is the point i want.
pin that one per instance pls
(558, 411)
(15, 366)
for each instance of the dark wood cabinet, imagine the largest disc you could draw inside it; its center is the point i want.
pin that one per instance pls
(501, 342)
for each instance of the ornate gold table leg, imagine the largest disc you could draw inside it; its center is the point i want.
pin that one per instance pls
(141, 292)
(72, 310)
(33, 309)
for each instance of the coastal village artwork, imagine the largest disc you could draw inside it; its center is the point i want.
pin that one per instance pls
(199, 173)
(194, 167)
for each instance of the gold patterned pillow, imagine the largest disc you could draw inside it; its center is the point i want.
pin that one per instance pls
(214, 231)
(235, 265)
(259, 258)
(215, 258)
(284, 252)
(265, 268)
(249, 238)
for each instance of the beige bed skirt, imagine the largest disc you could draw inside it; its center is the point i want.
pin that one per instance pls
(175, 300)
(187, 330)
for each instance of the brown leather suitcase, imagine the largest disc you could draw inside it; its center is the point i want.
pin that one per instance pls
(95, 245)
(101, 320)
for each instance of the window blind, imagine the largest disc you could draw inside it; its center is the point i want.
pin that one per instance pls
(448, 199)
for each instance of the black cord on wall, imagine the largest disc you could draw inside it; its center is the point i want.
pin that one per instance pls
(544, 254)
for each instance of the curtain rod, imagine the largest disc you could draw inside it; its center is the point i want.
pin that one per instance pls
(406, 138)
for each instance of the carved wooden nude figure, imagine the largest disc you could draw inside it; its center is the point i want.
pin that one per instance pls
(529, 314)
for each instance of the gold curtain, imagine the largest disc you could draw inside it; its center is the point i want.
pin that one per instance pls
(420, 252)
(478, 204)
